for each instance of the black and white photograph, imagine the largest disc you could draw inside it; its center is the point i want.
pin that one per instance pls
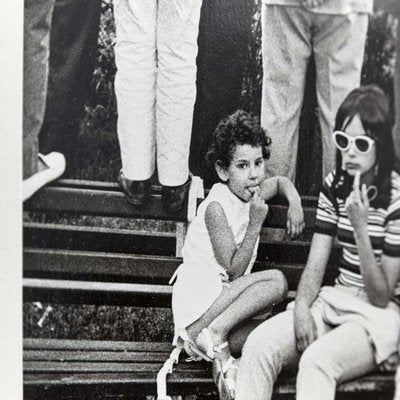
(208, 200)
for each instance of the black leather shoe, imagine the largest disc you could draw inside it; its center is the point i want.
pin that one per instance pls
(174, 197)
(136, 192)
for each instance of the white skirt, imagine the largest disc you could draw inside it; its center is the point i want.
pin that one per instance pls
(195, 290)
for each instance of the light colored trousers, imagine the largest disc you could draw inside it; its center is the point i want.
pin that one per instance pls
(289, 36)
(37, 22)
(339, 354)
(155, 86)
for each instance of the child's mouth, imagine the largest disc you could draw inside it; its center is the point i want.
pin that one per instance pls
(253, 189)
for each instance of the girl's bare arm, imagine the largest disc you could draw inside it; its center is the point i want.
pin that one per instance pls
(308, 288)
(280, 185)
(234, 260)
(379, 278)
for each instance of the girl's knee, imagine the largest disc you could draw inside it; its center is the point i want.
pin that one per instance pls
(274, 283)
(280, 283)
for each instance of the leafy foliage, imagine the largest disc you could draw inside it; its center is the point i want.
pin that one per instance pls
(101, 107)
(379, 57)
(98, 322)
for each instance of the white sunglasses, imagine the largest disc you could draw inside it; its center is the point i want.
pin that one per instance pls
(343, 141)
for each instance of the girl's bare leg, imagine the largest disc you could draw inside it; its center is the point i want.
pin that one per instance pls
(245, 297)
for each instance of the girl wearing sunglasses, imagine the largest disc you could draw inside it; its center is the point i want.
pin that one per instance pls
(340, 332)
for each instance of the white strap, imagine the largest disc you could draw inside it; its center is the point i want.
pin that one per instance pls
(166, 369)
(174, 275)
(219, 347)
(229, 365)
(211, 348)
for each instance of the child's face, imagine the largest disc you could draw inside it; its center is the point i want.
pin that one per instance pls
(352, 159)
(245, 172)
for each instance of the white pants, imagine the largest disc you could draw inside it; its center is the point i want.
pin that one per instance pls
(289, 36)
(345, 349)
(155, 85)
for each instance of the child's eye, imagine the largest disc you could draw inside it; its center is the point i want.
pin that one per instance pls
(242, 165)
(259, 163)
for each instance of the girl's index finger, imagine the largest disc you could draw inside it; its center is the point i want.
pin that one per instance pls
(356, 182)
(364, 195)
(255, 199)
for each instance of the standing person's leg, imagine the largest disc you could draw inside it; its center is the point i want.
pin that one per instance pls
(73, 47)
(135, 89)
(177, 31)
(37, 21)
(342, 354)
(270, 348)
(339, 43)
(286, 49)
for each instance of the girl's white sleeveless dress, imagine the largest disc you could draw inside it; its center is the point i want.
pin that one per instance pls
(200, 279)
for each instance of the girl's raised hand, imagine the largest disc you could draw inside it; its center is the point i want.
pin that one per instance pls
(295, 220)
(357, 204)
(258, 208)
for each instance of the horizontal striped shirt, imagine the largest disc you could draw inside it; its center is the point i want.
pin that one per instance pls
(383, 230)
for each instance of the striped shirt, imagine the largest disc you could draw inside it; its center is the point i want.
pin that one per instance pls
(383, 230)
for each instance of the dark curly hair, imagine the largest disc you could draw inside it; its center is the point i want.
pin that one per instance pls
(372, 106)
(238, 128)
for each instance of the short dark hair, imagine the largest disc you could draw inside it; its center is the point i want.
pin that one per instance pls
(238, 128)
(371, 105)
